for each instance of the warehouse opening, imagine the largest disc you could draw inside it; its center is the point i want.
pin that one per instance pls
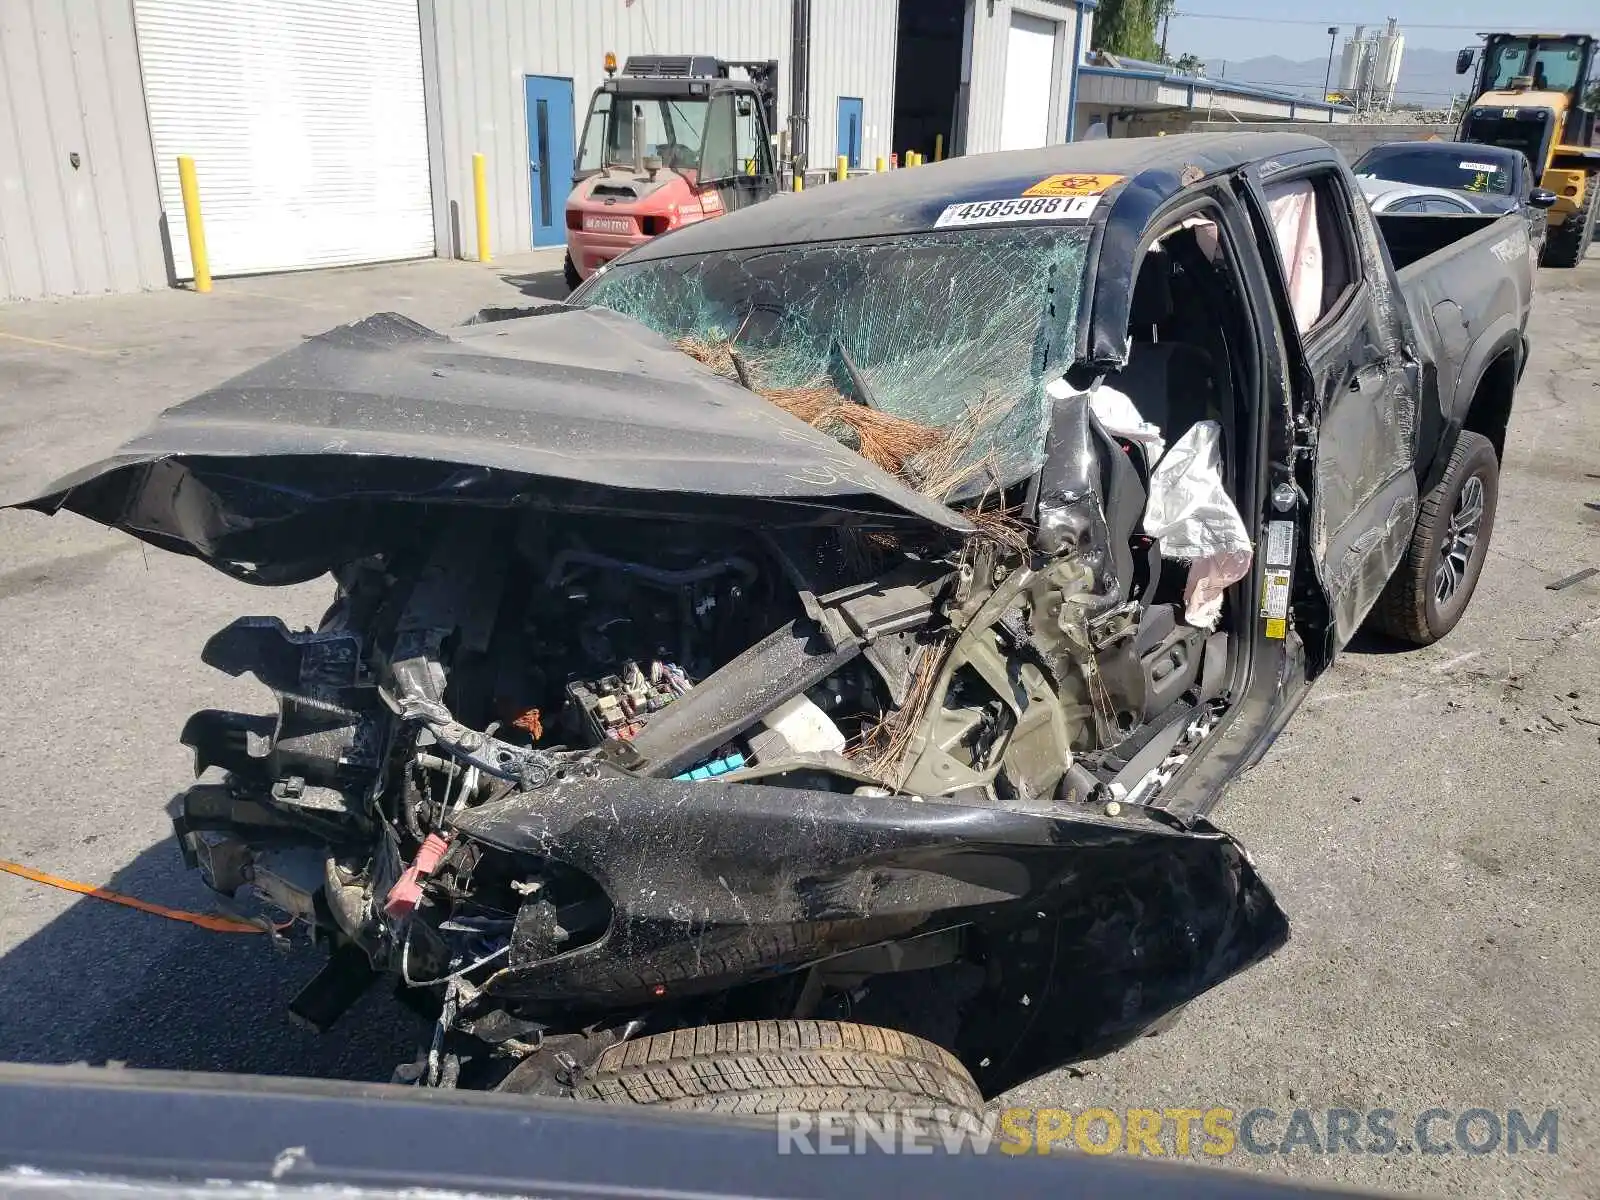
(927, 84)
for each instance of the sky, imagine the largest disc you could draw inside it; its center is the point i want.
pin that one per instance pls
(1254, 28)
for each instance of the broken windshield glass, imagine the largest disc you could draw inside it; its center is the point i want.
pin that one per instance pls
(952, 330)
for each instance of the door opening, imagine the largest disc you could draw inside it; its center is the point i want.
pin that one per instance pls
(927, 83)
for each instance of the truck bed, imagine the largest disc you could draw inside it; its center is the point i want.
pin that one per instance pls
(1468, 284)
(1412, 238)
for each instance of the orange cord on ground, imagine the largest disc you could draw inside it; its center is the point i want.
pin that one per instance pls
(216, 924)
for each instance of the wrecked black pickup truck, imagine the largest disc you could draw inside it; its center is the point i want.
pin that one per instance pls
(797, 671)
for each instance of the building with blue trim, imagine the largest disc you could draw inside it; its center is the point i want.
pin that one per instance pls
(1130, 98)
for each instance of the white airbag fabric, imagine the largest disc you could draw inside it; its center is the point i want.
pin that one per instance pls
(1120, 417)
(1293, 207)
(1191, 517)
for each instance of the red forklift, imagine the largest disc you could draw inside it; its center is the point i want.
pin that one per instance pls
(669, 141)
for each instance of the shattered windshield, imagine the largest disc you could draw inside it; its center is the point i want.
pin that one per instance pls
(950, 334)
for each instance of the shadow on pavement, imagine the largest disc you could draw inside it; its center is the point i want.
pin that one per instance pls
(1368, 642)
(543, 285)
(106, 983)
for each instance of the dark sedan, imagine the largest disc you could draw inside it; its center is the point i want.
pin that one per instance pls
(1496, 178)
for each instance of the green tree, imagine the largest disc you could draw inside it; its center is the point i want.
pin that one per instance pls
(1131, 27)
(1190, 64)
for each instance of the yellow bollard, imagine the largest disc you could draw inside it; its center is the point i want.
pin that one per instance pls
(480, 206)
(913, 158)
(880, 167)
(799, 181)
(191, 220)
(938, 147)
(841, 168)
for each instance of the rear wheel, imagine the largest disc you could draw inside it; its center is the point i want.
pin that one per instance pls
(569, 272)
(1430, 589)
(759, 1067)
(1567, 246)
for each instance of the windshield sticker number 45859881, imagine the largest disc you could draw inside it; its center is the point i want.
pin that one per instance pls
(1023, 208)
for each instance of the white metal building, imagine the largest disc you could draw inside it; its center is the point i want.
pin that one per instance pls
(491, 63)
(1022, 69)
(306, 125)
(333, 132)
(1123, 97)
(79, 213)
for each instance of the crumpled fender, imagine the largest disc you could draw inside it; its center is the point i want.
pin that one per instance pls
(1092, 928)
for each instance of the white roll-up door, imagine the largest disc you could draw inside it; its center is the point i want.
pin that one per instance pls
(306, 124)
(1030, 72)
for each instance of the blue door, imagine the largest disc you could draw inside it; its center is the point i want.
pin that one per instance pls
(550, 155)
(850, 129)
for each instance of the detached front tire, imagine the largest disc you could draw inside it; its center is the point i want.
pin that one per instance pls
(1430, 589)
(754, 1068)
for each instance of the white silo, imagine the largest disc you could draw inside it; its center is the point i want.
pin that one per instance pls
(1351, 62)
(1391, 44)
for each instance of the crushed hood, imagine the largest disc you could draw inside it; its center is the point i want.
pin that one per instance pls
(282, 471)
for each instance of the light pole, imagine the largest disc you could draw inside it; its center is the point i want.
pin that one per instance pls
(1327, 79)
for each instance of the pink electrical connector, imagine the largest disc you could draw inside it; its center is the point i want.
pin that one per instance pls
(406, 894)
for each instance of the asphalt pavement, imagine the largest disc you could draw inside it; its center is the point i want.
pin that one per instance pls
(1425, 821)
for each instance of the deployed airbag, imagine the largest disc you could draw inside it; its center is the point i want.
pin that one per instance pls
(1191, 515)
(1120, 417)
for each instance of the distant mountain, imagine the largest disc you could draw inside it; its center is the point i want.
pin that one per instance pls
(1427, 77)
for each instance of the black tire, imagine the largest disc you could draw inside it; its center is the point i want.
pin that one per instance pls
(753, 1068)
(1410, 608)
(569, 272)
(1567, 246)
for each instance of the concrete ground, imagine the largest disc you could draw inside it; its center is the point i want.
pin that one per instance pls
(1425, 821)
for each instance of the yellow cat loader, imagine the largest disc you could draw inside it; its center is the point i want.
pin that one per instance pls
(1529, 96)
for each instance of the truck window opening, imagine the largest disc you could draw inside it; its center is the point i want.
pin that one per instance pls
(1552, 64)
(673, 130)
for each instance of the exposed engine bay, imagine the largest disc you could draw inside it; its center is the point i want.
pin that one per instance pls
(509, 660)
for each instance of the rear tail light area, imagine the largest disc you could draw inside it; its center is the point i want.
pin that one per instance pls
(655, 226)
(574, 219)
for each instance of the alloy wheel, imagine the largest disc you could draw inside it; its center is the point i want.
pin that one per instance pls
(1460, 539)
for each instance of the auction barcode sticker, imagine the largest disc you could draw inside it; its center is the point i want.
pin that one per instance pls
(1023, 208)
